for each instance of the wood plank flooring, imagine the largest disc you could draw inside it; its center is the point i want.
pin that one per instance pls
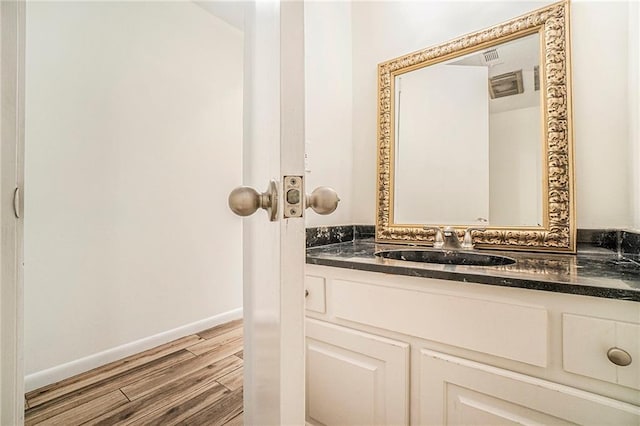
(195, 380)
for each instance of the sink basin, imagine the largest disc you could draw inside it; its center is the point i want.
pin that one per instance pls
(447, 257)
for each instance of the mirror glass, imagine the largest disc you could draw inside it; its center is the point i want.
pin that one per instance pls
(468, 139)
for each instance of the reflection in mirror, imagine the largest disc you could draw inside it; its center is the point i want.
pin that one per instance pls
(468, 139)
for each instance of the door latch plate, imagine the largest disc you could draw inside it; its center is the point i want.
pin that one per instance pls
(293, 196)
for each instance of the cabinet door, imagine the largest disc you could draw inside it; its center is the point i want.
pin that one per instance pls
(315, 288)
(455, 391)
(355, 378)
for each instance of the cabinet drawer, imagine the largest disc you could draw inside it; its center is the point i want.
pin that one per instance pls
(315, 293)
(476, 324)
(587, 340)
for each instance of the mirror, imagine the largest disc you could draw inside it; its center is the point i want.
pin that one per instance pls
(477, 132)
(473, 124)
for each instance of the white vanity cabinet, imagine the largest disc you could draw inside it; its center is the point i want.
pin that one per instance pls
(388, 349)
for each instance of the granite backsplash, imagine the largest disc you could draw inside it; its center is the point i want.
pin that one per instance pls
(621, 241)
(323, 235)
(618, 240)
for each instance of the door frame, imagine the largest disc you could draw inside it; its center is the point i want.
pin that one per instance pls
(12, 49)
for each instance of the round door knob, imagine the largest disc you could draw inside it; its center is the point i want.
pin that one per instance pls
(619, 357)
(323, 200)
(244, 200)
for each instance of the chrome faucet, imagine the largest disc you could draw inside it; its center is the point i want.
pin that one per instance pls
(467, 243)
(438, 240)
(451, 241)
(447, 238)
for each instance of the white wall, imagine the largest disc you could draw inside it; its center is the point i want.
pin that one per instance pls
(602, 102)
(602, 99)
(634, 110)
(133, 141)
(328, 123)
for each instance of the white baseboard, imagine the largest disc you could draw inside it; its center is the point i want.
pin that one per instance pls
(63, 371)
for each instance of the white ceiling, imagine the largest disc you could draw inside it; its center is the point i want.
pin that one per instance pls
(520, 54)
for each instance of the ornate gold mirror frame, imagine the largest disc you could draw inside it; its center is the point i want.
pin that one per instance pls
(558, 231)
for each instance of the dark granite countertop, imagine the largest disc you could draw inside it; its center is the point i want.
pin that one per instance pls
(593, 271)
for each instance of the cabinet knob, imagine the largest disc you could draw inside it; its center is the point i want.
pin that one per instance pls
(306, 293)
(619, 357)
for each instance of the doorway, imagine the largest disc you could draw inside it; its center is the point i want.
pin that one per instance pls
(133, 137)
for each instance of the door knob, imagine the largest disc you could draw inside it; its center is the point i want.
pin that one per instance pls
(244, 201)
(323, 200)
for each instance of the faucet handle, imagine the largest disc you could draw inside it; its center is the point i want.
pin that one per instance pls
(439, 239)
(467, 243)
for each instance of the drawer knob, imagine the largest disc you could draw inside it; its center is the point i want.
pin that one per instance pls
(619, 357)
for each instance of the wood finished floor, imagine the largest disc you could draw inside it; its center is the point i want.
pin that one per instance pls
(195, 380)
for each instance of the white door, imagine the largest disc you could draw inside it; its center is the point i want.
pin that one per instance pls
(274, 251)
(11, 236)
